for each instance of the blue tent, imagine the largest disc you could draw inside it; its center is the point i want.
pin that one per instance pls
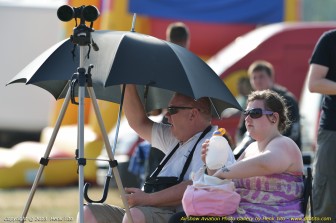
(217, 11)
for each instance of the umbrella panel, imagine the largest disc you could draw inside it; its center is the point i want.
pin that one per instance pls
(129, 58)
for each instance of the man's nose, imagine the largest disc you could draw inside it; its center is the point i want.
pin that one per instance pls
(167, 115)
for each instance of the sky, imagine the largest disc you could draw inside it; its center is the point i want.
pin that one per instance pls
(32, 3)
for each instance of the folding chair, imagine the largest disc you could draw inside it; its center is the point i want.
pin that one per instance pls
(307, 205)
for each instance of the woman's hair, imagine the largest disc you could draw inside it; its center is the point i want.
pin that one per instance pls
(273, 102)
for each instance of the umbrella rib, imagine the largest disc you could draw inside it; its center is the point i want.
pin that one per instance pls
(214, 107)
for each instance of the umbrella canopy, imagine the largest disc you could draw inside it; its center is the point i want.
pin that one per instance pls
(158, 67)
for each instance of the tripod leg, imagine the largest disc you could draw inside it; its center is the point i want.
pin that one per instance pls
(109, 152)
(80, 137)
(46, 154)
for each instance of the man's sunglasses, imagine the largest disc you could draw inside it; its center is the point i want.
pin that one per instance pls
(172, 110)
(257, 113)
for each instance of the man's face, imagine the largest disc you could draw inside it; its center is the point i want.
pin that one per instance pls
(260, 80)
(180, 118)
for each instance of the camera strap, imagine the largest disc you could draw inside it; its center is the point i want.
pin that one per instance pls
(188, 161)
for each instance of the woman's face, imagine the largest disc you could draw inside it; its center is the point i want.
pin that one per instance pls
(257, 127)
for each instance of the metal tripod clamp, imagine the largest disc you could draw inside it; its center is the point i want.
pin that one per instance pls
(81, 79)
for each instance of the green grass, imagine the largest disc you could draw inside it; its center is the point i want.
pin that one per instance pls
(49, 203)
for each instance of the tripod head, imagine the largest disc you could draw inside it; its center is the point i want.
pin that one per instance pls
(82, 33)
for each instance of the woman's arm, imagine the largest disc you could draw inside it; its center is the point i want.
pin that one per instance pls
(277, 158)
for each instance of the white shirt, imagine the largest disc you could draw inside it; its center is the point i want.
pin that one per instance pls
(163, 139)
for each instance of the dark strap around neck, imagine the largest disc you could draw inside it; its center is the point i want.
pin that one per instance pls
(188, 161)
(159, 168)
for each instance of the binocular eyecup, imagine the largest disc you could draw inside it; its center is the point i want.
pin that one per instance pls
(89, 13)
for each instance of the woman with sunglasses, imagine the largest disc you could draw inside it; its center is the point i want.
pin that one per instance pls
(269, 174)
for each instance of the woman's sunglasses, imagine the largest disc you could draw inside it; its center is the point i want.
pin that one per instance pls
(257, 113)
(172, 110)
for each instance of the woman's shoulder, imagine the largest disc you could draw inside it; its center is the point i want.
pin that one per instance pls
(284, 146)
(287, 147)
(284, 141)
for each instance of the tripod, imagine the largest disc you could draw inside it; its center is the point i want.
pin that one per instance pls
(84, 83)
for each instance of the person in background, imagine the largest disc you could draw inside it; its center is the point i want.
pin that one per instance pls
(244, 89)
(322, 79)
(261, 75)
(178, 33)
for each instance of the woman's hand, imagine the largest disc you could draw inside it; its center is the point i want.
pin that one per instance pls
(204, 150)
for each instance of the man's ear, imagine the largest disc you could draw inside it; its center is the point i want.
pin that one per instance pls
(193, 113)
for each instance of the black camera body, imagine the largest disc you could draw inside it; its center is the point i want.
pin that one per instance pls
(155, 184)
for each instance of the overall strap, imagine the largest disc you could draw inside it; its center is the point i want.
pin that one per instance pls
(159, 168)
(188, 161)
(190, 156)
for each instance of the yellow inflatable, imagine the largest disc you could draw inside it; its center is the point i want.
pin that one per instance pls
(19, 165)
